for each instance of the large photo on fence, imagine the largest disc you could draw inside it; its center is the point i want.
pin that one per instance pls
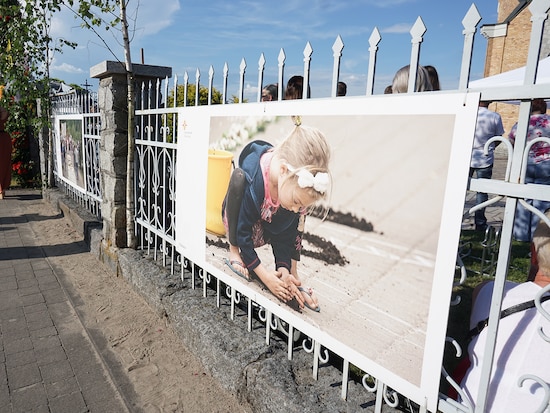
(379, 240)
(69, 149)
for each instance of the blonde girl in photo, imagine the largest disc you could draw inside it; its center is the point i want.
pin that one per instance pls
(268, 195)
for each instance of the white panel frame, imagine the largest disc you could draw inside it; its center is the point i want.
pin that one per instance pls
(194, 123)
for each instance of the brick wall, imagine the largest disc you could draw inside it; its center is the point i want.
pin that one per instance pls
(510, 52)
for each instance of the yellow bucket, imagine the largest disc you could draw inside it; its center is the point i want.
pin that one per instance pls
(219, 173)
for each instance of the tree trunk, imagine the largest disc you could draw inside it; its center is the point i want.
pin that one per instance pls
(45, 146)
(130, 216)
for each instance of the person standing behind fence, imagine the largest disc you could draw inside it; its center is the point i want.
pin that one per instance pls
(520, 349)
(269, 93)
(434, 77)
(342, 89)
(488, 125)
(538, 169)
(295, 88)
(5, 153)
(269, 192)
(400, 82)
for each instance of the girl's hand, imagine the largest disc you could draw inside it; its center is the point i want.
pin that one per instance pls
(282, 287)
(274, 281)
(292, 284)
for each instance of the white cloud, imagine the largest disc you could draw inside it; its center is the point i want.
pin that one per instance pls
(65, 68)
(153, 16)
(398, 28)
(146, 18)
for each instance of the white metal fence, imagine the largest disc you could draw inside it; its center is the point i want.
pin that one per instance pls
(80, 106)
(156, 209)
(156, 143)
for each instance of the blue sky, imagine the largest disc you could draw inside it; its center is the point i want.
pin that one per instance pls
(191, 35)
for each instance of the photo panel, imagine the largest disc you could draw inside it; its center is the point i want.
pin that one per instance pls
(70, 150)
(382, 261)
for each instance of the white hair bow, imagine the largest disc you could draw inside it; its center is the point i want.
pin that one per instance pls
(319, 181)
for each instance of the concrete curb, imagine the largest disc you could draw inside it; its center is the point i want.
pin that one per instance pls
(257, 373)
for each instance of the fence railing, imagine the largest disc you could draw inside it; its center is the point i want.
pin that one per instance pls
(155, 191)
(76, 159)
(75, 102)
(156, 156)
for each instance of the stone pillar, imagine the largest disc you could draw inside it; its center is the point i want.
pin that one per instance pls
(112, 100)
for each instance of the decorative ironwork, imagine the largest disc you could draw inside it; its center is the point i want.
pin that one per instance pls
(83, 103)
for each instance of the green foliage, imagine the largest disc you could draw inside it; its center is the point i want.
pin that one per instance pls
(191, 93)
(91, 12)
(25, 47)
(24, 168)
(474, 240)
(235, 99)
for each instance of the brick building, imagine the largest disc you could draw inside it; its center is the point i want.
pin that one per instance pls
(508, 44)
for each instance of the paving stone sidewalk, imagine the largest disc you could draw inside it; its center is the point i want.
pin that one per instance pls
(47, 360)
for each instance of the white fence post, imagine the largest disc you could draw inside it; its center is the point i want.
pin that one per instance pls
(210, 82)
(337, 48)
(225, 74)
(307, 60)
(261, 66)
(281, 61)
(185, 84)
(197, 87)
(241, 80)
(374, 39)
(417, 32)
(469, 23)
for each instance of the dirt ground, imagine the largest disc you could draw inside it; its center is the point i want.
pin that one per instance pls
(163, 375)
